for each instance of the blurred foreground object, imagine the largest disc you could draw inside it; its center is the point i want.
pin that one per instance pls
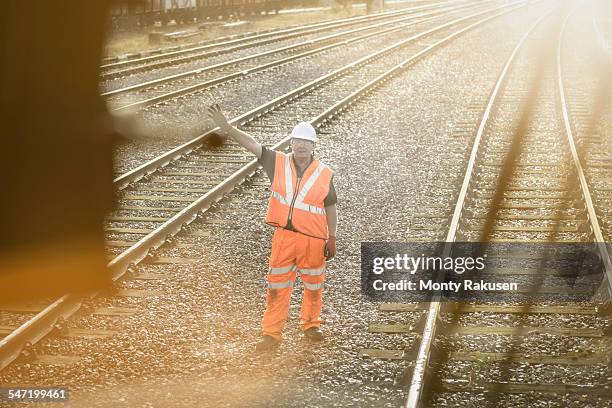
(57, 149)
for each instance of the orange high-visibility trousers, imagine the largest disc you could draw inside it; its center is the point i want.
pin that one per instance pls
(294, 253)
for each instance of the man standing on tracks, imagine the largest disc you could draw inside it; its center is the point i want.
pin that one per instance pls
(302, 208)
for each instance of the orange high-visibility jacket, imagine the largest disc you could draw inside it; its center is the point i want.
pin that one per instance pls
(299, 199)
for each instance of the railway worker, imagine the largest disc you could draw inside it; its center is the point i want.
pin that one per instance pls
(302, 208)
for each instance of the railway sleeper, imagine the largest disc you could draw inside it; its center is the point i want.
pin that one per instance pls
(455, 329)
(573, 359)
(452, 307)
(523, 388)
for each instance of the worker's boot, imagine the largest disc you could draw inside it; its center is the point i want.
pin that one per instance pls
(314, 334)
(268, 343)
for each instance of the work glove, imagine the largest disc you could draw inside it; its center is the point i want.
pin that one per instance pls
(330, 248)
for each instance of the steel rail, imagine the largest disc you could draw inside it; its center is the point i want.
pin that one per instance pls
(199, 71)
(389, 74)
(584, 187)
(40, 325)
(240, 74)
(283, 35)
(417, 390)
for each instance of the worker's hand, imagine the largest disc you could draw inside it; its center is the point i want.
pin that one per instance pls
(215, 114)
(330, 248)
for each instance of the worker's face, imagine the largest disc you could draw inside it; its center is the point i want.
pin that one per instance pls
(302, 149)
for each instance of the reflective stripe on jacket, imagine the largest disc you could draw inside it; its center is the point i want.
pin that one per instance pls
(300, 200)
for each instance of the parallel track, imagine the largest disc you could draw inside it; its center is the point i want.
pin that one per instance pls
(160, 90)
(546, 199)
(203, 175)
(132, 66)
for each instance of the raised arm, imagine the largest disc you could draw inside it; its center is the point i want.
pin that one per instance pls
(242, 138)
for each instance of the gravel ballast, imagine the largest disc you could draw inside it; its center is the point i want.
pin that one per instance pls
(180, 120)
(190, 343)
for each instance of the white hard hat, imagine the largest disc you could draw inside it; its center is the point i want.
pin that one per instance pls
(304, 130)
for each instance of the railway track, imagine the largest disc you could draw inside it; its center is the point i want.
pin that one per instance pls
(161, 90)
(129, 67)
(161, 197)
(519, 350)
(587, 112)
